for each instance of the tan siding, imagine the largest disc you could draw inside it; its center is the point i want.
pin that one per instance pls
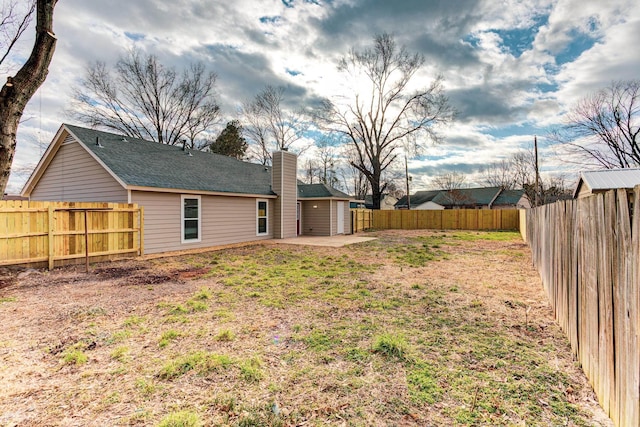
(276, 185)
(347, 218)
(74, 176)
(315, 221)
(284, 184)
(225, 220)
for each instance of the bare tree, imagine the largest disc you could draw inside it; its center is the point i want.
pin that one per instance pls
(452, 183)
(12, 25)
(327, 160)
(602, 129)
(142, 98)
(500, 174)
(389, 116)
(354, 182)
(18, 90)
(449, 181)
(518, 172)
(270, 127)
(311, 171)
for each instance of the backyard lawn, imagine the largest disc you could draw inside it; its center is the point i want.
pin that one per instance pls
(414, 328)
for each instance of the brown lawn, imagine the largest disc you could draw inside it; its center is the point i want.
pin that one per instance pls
(414, 328)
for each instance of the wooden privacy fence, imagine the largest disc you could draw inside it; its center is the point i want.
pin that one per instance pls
(58, 233)
(361, 219)
(447, 219)
(587, 253)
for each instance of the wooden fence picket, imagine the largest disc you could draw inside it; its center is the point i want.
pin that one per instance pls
(587, 253)
(53, 233)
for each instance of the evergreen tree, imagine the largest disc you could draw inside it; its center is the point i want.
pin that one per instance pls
(230, 142)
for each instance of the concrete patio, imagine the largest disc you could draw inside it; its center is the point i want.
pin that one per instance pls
(331, 241)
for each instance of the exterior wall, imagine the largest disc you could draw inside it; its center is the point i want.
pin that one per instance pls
(315, 221)
(285, 185)
(346, 215)
(388, 203)
(428, 206)
(585, 191)
(74, 176)
(225, 220)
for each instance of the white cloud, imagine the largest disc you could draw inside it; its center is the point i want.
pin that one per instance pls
(491, 86)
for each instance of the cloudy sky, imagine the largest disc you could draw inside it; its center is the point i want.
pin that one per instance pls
(511, 67)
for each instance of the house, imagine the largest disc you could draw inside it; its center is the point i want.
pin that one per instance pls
(421, 200)
(600, 181)
(191, 199)
(387, 202)
(509, 199)
(356, 204)
(466, 198)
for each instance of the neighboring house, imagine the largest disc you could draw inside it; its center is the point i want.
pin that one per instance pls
(387, 202)
(356, 204)
(600, 181)
(509, 199)
(191, 199)
(466, 198)
(421, 200)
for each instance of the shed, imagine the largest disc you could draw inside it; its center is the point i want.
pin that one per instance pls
(600, 181)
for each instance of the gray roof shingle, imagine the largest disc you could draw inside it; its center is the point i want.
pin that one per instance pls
(418, 198)
(312, 191)
(149, 164)
(509, 198)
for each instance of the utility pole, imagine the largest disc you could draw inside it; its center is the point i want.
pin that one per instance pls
(406, 172)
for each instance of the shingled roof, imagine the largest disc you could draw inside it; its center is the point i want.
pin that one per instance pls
(468, 196)
(463, 197)
(509, 198)
(417, 199)
(141, 163)
(314, 191)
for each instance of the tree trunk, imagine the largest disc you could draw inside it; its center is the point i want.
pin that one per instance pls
(376, 197)
(17, 92)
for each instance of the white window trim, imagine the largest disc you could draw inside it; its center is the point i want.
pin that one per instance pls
(258, 217)
(182, 218)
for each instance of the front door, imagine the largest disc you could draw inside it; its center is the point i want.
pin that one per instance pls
(340, 223)
(298, 208)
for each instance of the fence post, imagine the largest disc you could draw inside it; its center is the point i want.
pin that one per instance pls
(51, 233)
(141, 232)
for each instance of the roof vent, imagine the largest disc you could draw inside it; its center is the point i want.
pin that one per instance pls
(189, 154)
(98, 142)
(124, 139)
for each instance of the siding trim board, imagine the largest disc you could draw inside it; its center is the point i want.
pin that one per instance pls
(204, 193)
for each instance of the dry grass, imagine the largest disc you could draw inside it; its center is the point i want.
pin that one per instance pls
(415, 328)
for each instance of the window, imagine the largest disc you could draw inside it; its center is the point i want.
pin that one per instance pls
(190, 219)
(262, 215)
